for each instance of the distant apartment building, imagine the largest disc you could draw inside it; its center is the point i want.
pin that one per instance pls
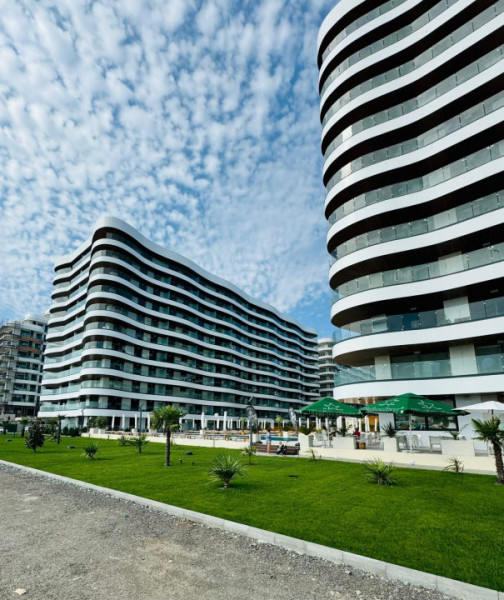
(327, 368)
(134, 326)
(21, 360)
(412, 112)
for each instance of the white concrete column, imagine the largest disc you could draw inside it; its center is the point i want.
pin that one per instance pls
(148, 422)
(327, 423)
(112, 424)
(136, 421)
(123, 422)
(366, 423)
(224, 421)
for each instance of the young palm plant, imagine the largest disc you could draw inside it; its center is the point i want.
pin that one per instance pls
(225, 468)
(139, 442)
(167, 418)
(123, 440)
(490, 431)
(455, 465)
(379, 472)
(24, 421)
(90, 450)
(249, 451)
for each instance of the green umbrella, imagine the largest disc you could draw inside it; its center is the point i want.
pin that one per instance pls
(411, 404)
(329, 407)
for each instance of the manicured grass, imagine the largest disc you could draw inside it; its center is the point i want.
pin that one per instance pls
(433, 521)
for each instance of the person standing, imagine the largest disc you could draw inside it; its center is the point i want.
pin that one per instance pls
(268, 442)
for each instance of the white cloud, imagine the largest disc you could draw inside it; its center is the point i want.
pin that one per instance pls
(196, 121)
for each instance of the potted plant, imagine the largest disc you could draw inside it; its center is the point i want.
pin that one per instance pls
(389, 438)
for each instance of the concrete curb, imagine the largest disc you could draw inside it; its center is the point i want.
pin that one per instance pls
(452, 587)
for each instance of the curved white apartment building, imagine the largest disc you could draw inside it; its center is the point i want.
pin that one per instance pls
(327, 368)
(134, 326)
(412, 111)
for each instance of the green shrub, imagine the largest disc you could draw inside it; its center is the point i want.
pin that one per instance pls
(139, 442)
(389, 430)
(225, 468)
(123, 440)
(249, 451)
(90, 450)
(306, 430)
(312, 454)
(35, 437)
(379, 472)
(455, 465)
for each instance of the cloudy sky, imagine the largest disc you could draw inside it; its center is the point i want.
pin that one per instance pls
(196, 121)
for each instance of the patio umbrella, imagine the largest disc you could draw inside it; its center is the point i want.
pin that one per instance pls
(411, 404)
(490, 406)
(329, 407)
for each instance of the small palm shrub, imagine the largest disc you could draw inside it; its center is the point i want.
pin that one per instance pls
(389, 430)
(123, 440)
(454, 465)
(90, 450)
(139, 442)
(305, 430)
(455, 434)
(225, 468)
(249, 451)
(379, 472)
(311, 453)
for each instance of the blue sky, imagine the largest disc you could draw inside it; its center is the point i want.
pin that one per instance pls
(196, 121)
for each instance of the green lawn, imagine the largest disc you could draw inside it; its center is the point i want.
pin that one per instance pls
(433, 521)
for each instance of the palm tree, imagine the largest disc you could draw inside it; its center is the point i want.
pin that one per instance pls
(24, 421)
(167, 418)
(59, 418)
(279, 420)
(5, 424)
(139, 442)
(490, 431)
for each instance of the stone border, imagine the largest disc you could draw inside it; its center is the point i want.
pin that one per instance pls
(452, 587)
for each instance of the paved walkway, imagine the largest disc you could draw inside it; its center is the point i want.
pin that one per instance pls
(60, 542)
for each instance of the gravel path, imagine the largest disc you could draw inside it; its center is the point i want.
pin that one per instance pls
(60, 542)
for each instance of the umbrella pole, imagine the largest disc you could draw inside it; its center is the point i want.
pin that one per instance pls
(410, 433)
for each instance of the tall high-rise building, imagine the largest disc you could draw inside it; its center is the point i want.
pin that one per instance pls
(134, 326)
(412, 111)
(21, 360)
(327, 368)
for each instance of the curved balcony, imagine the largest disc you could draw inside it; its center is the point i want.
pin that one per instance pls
(469, 162)
(416, 147)
(472, 311)
(447, 218)
(427, 58)
(426, 271)
(386, 42)
(357, 24)
(491, 364)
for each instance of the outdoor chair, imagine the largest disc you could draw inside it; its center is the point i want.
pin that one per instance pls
(402, 440)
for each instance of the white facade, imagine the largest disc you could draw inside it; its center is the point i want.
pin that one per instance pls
(134, 326)
(412, 106)
(21, 359)
(327, 367)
